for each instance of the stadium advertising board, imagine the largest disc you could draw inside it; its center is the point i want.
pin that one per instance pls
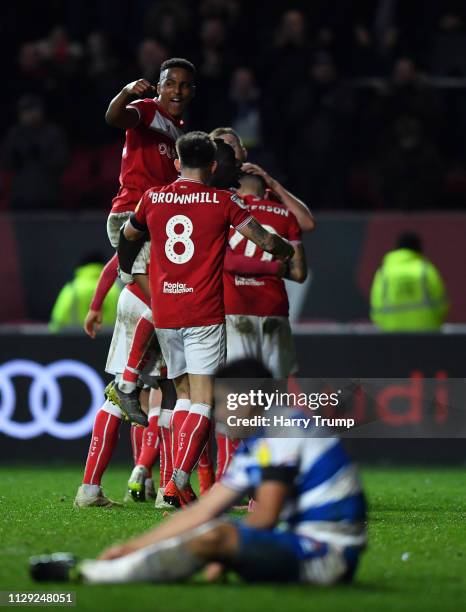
(52, 386)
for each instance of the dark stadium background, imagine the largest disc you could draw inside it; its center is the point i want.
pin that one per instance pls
(357, 107)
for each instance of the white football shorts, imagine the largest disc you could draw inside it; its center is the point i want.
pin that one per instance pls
(267, 339)
(193, 350)
(129, 310)
(114, 223)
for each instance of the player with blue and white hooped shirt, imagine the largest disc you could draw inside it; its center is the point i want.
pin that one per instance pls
(308, 524)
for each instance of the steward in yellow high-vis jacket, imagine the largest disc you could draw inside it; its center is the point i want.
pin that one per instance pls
(407, 292)
(73, 301)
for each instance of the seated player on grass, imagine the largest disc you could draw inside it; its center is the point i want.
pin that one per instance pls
(306, 484)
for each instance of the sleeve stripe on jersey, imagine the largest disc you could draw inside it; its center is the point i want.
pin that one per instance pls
(142, 227)
(244, 223)
(134, 108)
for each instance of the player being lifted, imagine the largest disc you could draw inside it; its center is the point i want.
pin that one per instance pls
(152, 126)
(188, 224)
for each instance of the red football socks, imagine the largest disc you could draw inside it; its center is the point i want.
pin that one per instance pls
(166, 462)
(226, 448)
(193, 437)
(103, 441)
(136, 434)
(138, 355)
(150, 440)
(178, 417)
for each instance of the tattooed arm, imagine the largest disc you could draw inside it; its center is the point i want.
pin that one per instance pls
(272, 243)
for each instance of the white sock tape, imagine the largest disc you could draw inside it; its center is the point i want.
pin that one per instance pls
(203, 409)
(112, 409)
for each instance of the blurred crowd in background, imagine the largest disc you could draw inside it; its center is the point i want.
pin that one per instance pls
(353, 104)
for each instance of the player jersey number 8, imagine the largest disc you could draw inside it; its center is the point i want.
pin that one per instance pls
(182, 237)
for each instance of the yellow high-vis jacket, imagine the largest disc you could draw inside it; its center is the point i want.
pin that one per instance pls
(408, 293)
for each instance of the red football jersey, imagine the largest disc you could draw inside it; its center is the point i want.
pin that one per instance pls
(188, 223)
(148, 154)
(264, 296)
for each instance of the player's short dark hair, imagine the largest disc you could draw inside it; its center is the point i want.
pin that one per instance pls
(196, 150)
(248, 367)
(244, 375)
(255, 180)
(178, 62)
(221, 131)
(224, 151)
(409, 240)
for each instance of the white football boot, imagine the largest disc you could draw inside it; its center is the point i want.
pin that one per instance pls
(160, 504)
(92, 495)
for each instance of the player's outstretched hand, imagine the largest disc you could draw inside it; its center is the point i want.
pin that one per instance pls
(139, 88)
(114, 552)
(93, 322)
(283, 269)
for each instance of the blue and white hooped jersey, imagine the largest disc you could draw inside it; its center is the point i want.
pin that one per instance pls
(326, 500)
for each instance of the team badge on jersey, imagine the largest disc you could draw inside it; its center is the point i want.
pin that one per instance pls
(263, 454)
(237, 200)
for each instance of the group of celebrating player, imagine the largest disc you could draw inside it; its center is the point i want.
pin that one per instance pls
(208, 235)
(195, 249)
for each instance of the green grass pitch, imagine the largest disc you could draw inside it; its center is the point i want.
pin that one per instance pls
(419, 511)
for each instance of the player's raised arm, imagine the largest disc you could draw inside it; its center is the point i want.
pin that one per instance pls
(118, 115)
(302, 213)
(218, 499)
(272, 243)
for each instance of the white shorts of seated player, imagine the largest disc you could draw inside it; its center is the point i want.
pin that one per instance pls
(129, 310)
(267, 339)
(115, 221)
(193, 350)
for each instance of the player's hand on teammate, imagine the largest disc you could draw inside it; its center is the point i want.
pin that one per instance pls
(283, 269)
(93, 322)
(286, 251)
(255, 169)
(139, 88)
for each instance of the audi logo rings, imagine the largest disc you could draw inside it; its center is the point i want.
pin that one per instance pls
(45, 398)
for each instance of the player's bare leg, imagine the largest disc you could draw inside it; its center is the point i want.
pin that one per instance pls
(172, 560)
